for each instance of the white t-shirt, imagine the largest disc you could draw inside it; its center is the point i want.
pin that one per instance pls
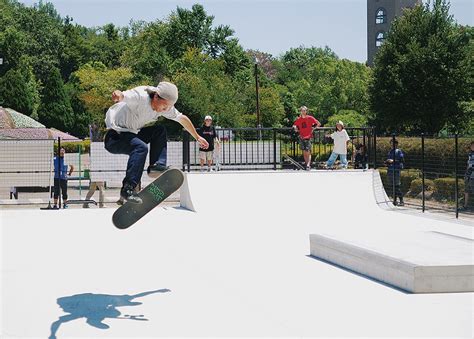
(340, 141)
(134, 112)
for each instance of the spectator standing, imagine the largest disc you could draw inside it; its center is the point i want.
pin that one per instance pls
(469, 176)
(92, 188)
(341, 139)
(395, 162)
(95, 135)
(208, 132)
(305, 125)
(61, 174)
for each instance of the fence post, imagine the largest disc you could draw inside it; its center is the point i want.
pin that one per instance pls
(183, 149)
(456, 187)
(274, 149)
(186, 151)
(80, 171)
(58, 159)
(374, 132)
(393, 170)
(423, 172)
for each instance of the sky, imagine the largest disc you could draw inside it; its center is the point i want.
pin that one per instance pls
(272, 26)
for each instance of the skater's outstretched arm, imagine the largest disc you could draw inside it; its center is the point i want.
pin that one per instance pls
(188, 125)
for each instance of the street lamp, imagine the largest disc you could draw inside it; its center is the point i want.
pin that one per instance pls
(256, 90)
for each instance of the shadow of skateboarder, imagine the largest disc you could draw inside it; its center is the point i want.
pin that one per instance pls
(97, 307)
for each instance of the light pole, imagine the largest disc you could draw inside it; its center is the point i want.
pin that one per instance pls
(256, 91)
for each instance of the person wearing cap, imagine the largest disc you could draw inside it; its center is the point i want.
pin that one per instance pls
(208, 132)
(131, 127)
(341, 139)
(305, 125)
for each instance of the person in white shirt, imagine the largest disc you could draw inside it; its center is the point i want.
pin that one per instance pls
(341, 139)
(131, 126)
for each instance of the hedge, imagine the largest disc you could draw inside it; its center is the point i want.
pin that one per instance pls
(73, 147)
(406, 178)
(416, 186)
(444, 189)
(439, 153)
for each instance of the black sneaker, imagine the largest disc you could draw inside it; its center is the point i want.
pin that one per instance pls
(156, 170)
(128, 194)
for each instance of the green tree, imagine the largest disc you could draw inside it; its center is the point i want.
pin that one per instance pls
(94, 83)
(146, 52)
(272, 111)
(13, 45)
(205, 89)
(77, 51)
(423, 72)
(106, 45)
(350, 118)
(55, 109)
(20, 90)
(82, 118)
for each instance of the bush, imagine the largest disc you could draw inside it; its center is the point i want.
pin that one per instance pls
(439, 153)
(73, 147)
(444, 189)
(406, 178)
(416, 186)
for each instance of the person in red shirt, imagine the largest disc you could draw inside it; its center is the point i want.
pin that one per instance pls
(305, 125)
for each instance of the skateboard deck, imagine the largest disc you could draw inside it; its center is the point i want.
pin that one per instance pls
(293, 162)
(152, 195)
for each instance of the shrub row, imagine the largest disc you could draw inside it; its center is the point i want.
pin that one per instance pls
(439, 153)
(441, 189)
(73, 147)
(406, 178)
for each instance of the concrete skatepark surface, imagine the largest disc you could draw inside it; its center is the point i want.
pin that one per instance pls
(239, 266)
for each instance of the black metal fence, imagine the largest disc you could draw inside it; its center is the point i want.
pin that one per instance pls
(270, 148)
(433, 176)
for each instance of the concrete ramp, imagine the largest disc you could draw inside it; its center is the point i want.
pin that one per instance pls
(352, 224)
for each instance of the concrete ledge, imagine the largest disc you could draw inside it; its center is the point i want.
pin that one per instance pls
(403, 265)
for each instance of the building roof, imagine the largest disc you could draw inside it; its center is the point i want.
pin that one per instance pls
(15, 125)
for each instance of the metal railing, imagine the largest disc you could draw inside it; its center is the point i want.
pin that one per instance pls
(266, 148)
(432, 177)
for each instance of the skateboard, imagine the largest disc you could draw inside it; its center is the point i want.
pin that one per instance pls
(293, 162)
(152, 195)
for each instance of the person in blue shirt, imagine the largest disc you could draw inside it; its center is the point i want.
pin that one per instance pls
(394, 162)
(61, 174)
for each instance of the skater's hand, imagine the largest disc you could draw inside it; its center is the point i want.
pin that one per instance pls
(117, 96)
(203, 143)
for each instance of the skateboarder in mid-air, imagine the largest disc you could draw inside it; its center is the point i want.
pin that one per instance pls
(131, 126)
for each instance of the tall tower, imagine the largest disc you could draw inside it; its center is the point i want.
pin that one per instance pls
(380, 14)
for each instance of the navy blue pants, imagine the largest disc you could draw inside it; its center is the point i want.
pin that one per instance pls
(135, 146)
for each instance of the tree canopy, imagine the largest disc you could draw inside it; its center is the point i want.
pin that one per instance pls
(423, 73)
(63, 73)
